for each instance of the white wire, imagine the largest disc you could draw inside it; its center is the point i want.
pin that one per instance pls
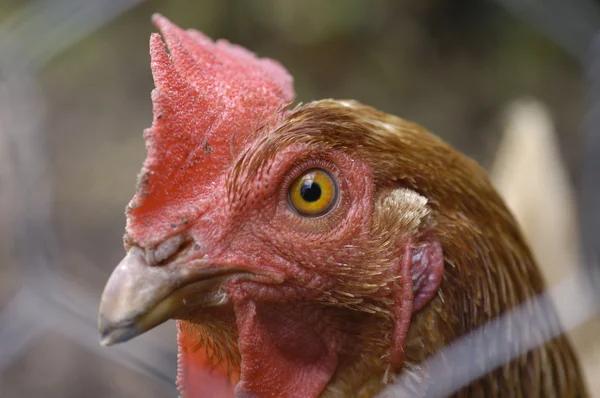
(575, 304)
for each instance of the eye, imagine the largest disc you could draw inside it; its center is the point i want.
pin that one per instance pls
(314, 193)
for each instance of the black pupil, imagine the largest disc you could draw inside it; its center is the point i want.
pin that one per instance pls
(310, 191)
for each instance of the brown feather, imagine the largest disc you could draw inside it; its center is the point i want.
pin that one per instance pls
(488, 266)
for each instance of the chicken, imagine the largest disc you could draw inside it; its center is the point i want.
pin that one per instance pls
(316, 250)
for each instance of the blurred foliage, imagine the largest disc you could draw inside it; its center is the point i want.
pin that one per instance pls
(447, 65)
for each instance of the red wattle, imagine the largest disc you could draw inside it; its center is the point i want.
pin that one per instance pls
(196, 377)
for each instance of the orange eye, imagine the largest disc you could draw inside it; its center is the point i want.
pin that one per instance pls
(313, 193)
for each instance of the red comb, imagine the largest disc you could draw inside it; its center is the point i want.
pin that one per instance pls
(208, 97)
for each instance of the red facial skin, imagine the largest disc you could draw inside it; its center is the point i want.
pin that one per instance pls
(288, 341)
(210, 103)
(286, 345)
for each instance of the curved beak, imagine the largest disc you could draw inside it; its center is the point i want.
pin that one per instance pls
(138, 296)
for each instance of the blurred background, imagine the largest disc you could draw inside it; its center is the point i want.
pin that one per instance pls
(512, 84)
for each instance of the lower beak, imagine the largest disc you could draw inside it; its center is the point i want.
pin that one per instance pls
(139, 297)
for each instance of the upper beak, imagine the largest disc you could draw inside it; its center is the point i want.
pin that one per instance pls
(139, 297)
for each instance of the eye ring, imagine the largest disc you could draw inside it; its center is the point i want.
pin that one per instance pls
(314, 193)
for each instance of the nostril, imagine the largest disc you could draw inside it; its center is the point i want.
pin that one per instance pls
(167, 249)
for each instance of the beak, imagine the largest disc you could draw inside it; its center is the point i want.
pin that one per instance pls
(139, 296)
